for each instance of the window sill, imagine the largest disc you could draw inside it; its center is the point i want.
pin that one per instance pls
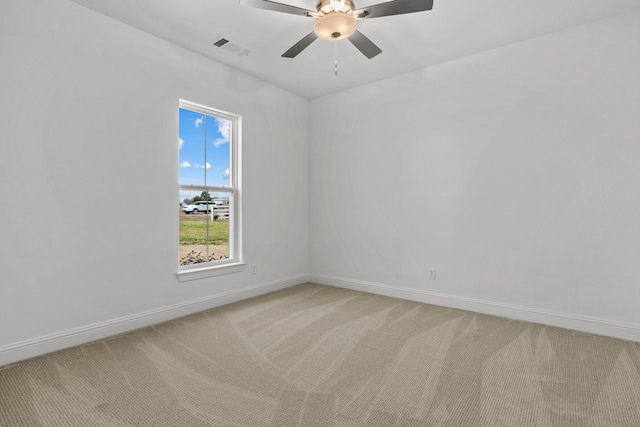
(209, 271)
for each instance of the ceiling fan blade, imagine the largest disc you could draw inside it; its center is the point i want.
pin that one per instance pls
(300, 46)
(364, 45)
(396, 7)
(277, 7)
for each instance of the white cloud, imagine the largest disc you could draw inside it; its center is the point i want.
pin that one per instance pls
(224, 127)
(198, 122)
(206, 166)
(220, 141)
(180, 142)
(225, 174)
(185, 164)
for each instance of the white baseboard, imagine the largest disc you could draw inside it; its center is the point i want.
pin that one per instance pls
(41, 345)
(590, 325)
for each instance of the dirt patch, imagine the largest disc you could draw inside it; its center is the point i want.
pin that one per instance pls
(215, 250)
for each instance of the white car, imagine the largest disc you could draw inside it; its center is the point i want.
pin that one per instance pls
(200, 206)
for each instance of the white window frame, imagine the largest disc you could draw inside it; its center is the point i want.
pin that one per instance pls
(235, 262)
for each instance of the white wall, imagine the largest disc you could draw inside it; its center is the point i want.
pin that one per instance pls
(88, 177)
(514, 172)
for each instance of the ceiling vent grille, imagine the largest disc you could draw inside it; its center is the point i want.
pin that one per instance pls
(231, 47)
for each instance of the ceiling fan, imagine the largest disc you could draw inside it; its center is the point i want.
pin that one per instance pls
(338, 19)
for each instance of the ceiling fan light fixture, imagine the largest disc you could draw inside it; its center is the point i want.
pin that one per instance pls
(335, 26)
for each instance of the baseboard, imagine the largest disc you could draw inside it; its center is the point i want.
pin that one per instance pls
(45, 344)
(590, 325)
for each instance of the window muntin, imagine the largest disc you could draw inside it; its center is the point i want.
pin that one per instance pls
(208, 187)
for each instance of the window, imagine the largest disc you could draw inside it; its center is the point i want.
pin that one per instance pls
(209, 191)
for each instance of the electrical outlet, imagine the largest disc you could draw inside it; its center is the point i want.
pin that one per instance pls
(432, 273)
(254, 269)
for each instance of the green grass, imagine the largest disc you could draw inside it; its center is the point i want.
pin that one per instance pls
(193, 230)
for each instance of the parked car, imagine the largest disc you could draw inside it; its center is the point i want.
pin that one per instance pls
(200, 206)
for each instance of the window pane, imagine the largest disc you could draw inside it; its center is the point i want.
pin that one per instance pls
(217, 163)
(192, 145)
(204, 227)
(207, 171)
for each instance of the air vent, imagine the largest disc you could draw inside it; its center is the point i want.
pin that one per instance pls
(231, 47)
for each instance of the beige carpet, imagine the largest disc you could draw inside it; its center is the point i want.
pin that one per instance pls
(320, 356)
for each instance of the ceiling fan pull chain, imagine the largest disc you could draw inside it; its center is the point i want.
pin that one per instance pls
(336, 58)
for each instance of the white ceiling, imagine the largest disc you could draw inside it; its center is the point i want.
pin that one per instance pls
(453, 29)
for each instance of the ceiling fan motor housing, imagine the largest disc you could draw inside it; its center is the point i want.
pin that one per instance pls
(324, 6)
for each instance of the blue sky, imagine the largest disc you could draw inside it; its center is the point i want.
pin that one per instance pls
(193, 165)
